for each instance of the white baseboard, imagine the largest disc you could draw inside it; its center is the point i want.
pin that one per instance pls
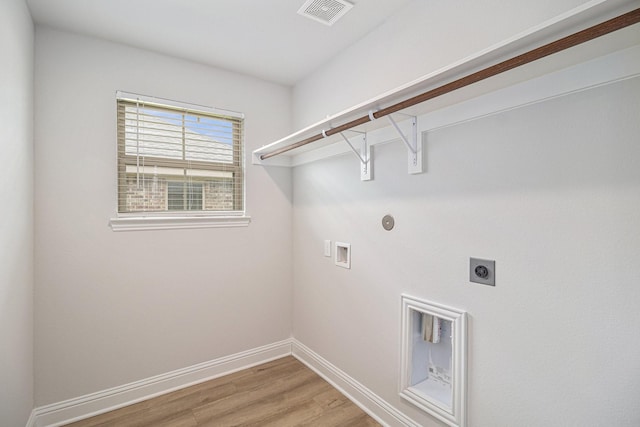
(82, 407)
(372, 404)
(58, 414)
(32, 419)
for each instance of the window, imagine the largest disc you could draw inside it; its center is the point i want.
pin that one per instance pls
(183, 196)
(181, 159)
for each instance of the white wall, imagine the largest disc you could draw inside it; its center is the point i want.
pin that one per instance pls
(421, 38)
(16, 215)
(111, 307)
(550, 191)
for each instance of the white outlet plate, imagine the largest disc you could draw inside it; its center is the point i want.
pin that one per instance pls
(327, 248)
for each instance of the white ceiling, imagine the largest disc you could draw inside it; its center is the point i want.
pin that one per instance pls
(262, 38)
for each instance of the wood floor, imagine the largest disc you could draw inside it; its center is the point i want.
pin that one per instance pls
(279, 393)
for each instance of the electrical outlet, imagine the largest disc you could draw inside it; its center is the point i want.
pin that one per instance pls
(482, 271)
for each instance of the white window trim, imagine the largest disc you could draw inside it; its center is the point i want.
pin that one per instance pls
(170, 221)
(141, 223)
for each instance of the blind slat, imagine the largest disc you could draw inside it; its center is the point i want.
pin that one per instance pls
(173, 159)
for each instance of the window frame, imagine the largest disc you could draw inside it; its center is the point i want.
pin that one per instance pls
(172, 219)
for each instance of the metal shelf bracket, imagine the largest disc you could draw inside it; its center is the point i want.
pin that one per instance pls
(363, 154)
(414, 145)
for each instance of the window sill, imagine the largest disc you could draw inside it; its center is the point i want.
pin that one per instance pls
(173, 223)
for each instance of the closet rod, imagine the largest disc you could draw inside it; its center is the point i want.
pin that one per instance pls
(559, 45)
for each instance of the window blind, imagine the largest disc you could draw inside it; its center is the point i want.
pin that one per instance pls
(172, 158)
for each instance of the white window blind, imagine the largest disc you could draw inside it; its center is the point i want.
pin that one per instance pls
(176, 158)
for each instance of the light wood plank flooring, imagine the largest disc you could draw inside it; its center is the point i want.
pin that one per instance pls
(279, 393)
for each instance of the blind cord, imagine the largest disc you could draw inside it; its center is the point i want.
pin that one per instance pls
(138, 143)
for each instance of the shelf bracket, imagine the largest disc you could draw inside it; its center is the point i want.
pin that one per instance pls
(363, 154)
(414, 146)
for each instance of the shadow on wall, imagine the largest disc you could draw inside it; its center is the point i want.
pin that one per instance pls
(525, 150)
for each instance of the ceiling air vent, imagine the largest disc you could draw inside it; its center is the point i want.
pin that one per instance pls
(325, 11)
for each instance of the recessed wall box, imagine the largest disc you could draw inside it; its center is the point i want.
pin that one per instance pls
(343, 255)
(433, 375)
